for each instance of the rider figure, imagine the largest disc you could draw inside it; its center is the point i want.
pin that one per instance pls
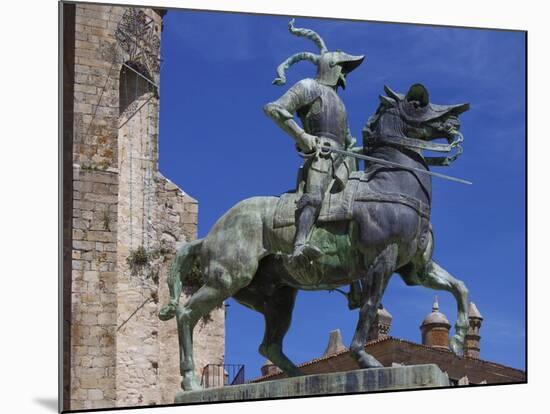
(324, 122)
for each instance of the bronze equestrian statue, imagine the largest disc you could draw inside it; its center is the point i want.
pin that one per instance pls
(369, 224)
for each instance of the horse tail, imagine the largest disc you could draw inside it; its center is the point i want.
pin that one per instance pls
(181, 271)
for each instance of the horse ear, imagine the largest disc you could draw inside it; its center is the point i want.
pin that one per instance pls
(392, 94)
(387, 101)
(418, 92)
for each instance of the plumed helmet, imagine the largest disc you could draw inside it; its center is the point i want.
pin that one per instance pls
(331, 66)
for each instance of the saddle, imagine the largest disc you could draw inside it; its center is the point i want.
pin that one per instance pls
(339, 206)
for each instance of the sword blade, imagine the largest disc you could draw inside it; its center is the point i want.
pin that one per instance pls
(395, 164)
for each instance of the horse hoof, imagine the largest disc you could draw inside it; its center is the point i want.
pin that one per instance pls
(375, 364)
(294, 372)
(190, 384)
(368, 361)
(167, 312)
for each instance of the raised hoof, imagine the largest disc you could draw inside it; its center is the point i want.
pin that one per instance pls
(167, 312)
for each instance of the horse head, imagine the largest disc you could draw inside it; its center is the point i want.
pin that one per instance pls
(412, 121)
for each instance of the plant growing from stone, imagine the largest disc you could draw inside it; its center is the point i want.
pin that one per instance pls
(146, 263)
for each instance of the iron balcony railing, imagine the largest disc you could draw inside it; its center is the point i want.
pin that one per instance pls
(219, 375)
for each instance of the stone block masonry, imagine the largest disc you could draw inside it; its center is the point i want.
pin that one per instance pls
(121, 354)
(94, 306)
(96, 76)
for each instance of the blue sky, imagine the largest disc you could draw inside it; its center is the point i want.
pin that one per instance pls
(219, 147)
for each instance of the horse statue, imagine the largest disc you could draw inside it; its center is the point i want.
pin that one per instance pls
(378, 225)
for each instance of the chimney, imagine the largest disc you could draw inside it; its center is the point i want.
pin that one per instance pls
(213, 375)
(335, 343)
(381, 325)
(269, 368)
(435, 328)
(473, 337)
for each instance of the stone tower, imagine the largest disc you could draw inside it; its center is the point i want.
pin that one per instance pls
(435, 328)
(473, 337)
(122, 220)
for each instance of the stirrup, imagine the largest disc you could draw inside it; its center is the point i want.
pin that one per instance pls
(307, 250)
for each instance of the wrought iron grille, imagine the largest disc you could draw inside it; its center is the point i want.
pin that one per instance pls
(137, 34)
(132, 86)
(219, 375)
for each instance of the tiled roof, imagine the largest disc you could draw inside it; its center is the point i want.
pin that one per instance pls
(496, 364)
(386, 339)
(322, 358)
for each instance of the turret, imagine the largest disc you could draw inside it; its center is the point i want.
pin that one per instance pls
(435, 328)
(473, 337)
(381, 325)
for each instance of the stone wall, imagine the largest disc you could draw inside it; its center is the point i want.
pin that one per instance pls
(137, 339)
(121, 354)
(96, 86)
(93, 299)
(95, 208)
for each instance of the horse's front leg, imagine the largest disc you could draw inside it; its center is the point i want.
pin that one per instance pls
(435, 277)
(378, 275)
(221, 283)
(200, 303)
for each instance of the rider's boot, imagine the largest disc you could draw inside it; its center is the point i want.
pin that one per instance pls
(304, 224)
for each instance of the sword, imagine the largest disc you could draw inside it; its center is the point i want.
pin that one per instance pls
(393, 164)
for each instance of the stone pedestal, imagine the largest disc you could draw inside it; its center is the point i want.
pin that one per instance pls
(359, 381)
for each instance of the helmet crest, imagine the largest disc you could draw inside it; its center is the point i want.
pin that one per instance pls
(310, 34)
(331, 66)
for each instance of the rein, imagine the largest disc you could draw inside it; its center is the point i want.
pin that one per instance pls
(413, 143)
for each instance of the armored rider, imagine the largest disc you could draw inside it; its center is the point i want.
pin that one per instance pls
(324, 123)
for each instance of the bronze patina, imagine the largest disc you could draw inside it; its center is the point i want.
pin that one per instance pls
(376, 221)
(324, 121)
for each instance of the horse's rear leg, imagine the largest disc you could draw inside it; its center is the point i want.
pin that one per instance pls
(435, 277)
(219, 286)
(278, 314)
(276, 305)
(378, 276)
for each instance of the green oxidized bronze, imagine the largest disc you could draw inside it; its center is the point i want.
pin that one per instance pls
(339, 227)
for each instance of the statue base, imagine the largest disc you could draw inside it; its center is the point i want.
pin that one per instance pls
(358, 381)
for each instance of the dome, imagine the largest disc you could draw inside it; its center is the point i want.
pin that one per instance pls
(267, 363)
(435, 317)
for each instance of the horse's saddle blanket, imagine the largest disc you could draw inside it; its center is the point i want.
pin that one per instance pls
(339, 206)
